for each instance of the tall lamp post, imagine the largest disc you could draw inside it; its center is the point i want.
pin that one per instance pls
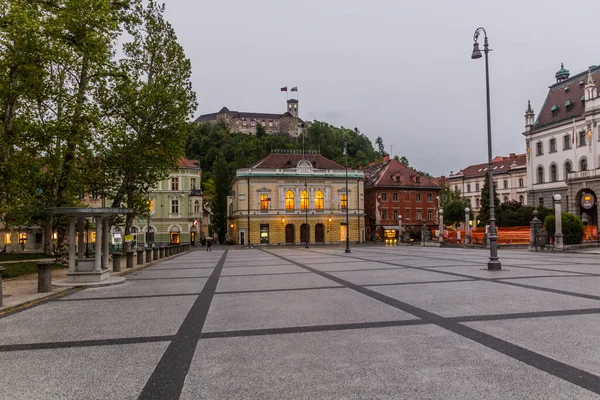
(494, 262)
(347, 199)
(148, 229)
(306, 231)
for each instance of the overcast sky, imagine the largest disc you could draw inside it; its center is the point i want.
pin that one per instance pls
(393, 68)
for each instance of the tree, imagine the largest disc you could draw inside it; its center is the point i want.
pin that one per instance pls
(453, 204)
(404, 161)
(380, 145)
(260, 131)
(484, 211)
(219, 200)
(572, 227)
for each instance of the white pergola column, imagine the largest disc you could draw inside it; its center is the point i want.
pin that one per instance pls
(105, 237)
(80, 242)
(98, 247)
(72, 255)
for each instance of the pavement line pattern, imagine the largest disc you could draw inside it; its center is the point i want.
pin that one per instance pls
(84, 343)
(559, 369)
(167, 379)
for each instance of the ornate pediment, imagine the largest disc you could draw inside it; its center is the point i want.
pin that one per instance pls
(264, 190)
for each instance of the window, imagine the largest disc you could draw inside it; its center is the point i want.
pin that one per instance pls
(383, 196)
(344, 201)
(263, 123)
(94, 196)
(193, 183)
(568, 168)
(552, 145)
(581, 139)
(418, 179)
(397, 179)
(289, 200)
(264, 201)
(394, 196)
(7, 238)
(505, 184)
(264, 233)
(540, 175)
(252, 123)
(566, 142)
(430, 197)
(319, 200)
(429, 215)
(521, 200)
(395, 215)
(418, 197)
(477, 203)
(244, 122)
(477, 187)
(174, 206)
(304, 200)
(419, 215)
(468, 188)
(270, 123)
(175, 183)
(539, 149)
(520, 182)
(384, 215)
(541, 201)
(197, 207)
(455, 188)
(553, 173)
(505, 199)
(583, 164)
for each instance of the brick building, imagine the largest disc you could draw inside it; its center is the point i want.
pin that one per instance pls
(391, 190)
(287, 123)
(278, 198)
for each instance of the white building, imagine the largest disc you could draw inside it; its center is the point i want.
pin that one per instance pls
(563, 145)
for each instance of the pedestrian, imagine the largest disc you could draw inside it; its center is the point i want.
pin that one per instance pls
(208, 243)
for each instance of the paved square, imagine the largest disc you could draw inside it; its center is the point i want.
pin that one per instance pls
(294, 323)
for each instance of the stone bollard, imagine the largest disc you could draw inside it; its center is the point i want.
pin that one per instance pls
(161, 252)
(116, 262)
(140, 257)
(155, 251)
(1, 270)
(44, 277)
(558, 235)
(148, 255)
(467, 233)
(130, 259)
(423, 229)
(441, 227)
(534, 226)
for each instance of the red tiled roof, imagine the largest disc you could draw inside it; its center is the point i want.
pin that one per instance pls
(383, 174)
(290, 160)
(187, 163)
(501, 166)
(559, 96)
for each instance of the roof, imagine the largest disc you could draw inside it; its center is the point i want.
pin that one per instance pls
(291, 160)
(383, 174)
(571, 89)
(501, 165)
(187, 163)
(241, 114)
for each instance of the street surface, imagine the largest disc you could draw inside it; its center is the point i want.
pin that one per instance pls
(295, 323)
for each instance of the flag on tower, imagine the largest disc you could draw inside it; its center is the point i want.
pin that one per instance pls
(284, 89)
(295, 89)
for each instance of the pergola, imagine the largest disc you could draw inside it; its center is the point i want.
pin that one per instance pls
(82, 270)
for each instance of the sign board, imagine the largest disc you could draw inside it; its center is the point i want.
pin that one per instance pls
(587, 201)
(117, 235)
(129, 238)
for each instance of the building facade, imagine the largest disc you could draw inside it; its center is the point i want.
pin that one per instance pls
(392, 190)
(287, 123)
(291, 198)
(563, 145)
(510, 179)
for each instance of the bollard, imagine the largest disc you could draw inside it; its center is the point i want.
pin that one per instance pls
(140, 257)
(155, 251)
(44, 277)
(130, 259)
(161, 252)
(116, 262)
(148, 255)
(1, 270)
(535, 225)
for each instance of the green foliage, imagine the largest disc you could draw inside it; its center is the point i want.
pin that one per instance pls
(403, 160)
(380, 145)
(260, 131)
(513, 213)
(453, 204)
(484, 211)
(219, 200)
(572, 227)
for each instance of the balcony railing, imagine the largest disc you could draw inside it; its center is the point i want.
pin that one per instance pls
(584, 174)
(195, 192)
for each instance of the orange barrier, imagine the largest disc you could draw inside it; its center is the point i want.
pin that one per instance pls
(590, 233)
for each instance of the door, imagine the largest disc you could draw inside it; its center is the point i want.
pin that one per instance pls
(193, 238)
(319, 233)
(304, 231)
(242, 236)
(290, 233)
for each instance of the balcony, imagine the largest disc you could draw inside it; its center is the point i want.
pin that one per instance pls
(195, 192)
(592, 173)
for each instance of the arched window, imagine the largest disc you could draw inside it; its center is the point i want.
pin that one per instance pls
(319, 200)
(264, 201)
(304, 200)
(289, 200)
(582, 139)
(568, 168)
(521, 199)
(553, 173)
(197, 207)
(583, 164)
(540, 174)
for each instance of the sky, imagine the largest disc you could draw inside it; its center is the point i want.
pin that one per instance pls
(392, 68)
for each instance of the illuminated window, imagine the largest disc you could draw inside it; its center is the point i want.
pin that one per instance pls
(264, 201)
(304, 200)
(175, 183)
(7, 238)
(344, 201)
(319, 200)
(289, 200)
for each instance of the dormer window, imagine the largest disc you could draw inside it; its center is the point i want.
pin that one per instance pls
(567, 89)
(554, 109)
(569, 104)
(418, 179)
(397, 178)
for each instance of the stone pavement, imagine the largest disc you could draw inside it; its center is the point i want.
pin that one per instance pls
(295, 323)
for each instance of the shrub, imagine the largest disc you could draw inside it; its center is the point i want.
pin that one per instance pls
(572, 228)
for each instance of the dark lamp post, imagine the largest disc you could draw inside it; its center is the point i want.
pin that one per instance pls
(494, 262)
(347, 202)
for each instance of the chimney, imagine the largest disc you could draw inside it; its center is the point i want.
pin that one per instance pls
(513, 155)
(386, 158)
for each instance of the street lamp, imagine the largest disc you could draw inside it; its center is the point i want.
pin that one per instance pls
(306, 231)
(347, 201)
(399, 230)
(494, 262)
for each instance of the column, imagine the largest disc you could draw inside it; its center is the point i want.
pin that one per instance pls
(467, 230)
(399, 230)
(105, 241)
(98, 246)
(441, 227)
(80, 242)
(558, 235)
(72, 244)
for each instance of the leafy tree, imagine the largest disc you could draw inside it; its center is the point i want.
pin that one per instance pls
(380, 145)
(404, 161)
(260, 131)
(484, 211)
(453, 204)
(219, 200)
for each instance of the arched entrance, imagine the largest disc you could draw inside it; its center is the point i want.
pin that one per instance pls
(588, 210)
(304, 233)
(290, 233)
(174, 235)
(193, 232)
(319, 233)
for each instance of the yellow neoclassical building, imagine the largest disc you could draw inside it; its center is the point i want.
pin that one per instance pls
(290, 197)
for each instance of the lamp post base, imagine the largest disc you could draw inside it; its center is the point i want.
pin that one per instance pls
(347, 250)
(494, 265)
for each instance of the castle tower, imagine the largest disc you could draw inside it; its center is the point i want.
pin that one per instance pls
(529, 117)
(562, 74)
(591, 91)
(292, 107)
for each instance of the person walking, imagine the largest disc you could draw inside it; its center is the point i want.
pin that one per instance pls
(208, 243)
